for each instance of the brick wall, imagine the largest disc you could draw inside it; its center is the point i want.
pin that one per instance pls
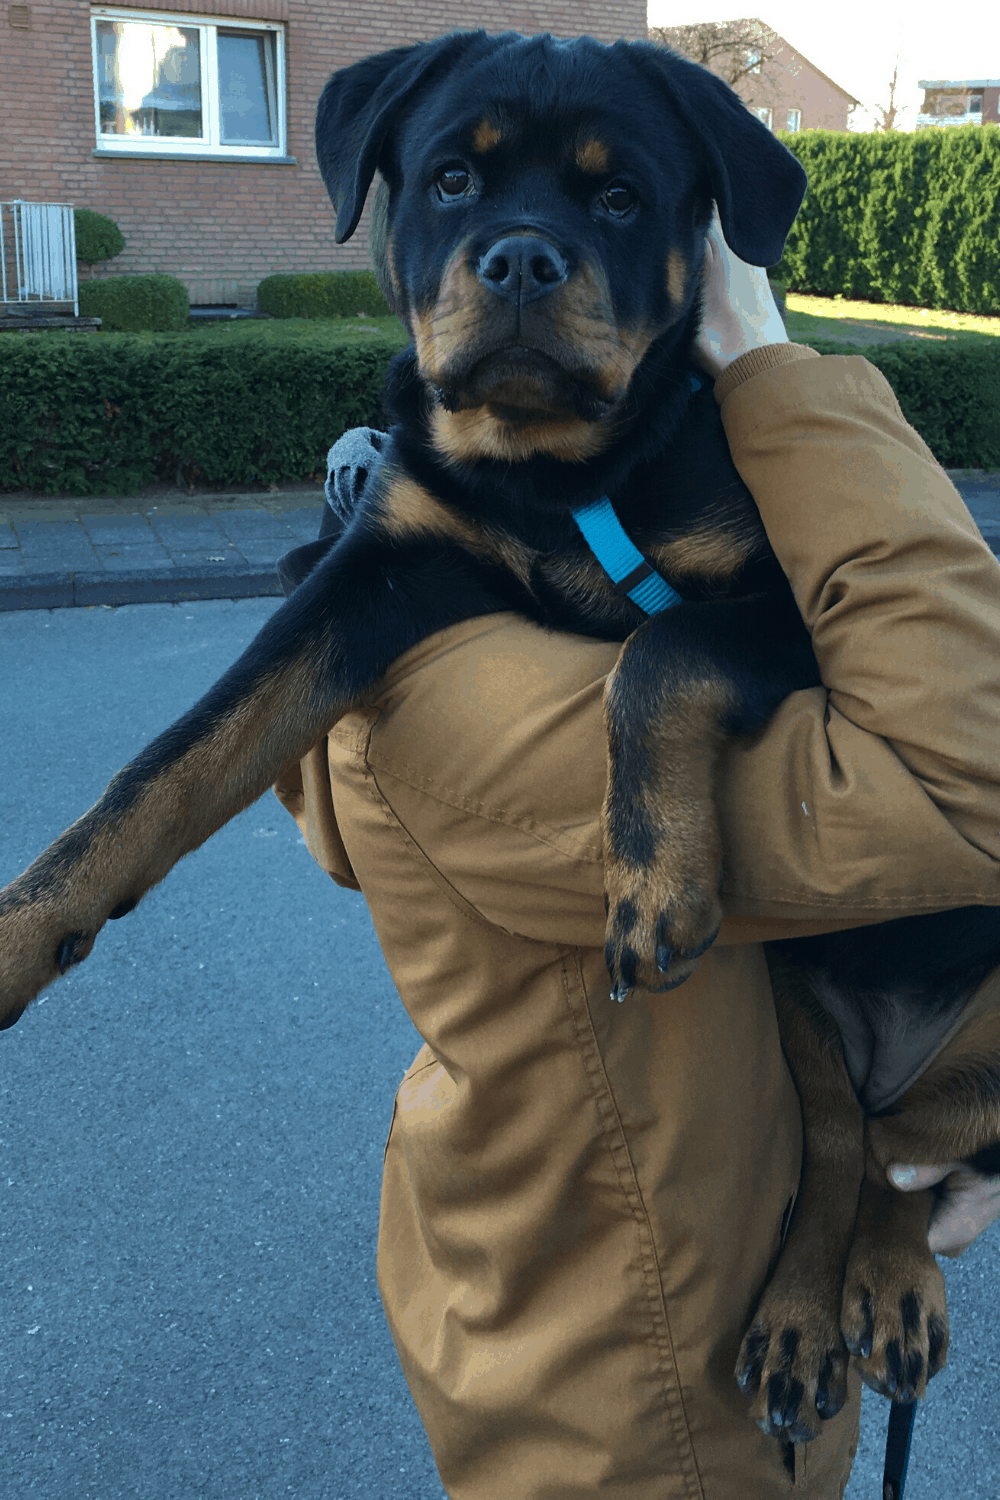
(217, 225)
(789, 81)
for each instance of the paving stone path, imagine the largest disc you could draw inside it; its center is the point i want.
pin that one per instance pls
(69, 551)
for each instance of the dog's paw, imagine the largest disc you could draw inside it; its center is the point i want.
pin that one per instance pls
(658, 927)
(38, 942)
(895, 1318)
(793, 1365)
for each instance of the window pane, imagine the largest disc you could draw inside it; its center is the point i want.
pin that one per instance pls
(149, 79)
(246, 88)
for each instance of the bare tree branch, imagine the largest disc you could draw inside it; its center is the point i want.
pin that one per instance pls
(733, 50)
(885, 115)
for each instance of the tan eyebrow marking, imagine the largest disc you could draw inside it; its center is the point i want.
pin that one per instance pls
(486, 136)
(592, 156)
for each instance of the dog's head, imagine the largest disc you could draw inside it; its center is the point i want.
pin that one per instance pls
(540, 220)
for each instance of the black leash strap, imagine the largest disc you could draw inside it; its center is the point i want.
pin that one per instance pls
(897, 1448)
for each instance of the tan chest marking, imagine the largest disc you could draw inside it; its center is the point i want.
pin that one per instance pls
(408, 510)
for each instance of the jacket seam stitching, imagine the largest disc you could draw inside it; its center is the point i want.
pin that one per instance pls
(541, 832)
(614, 1133)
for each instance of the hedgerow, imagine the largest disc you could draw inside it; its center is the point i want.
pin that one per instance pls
(98, 415)
(136, 304)
(899, 217)
(321, 294)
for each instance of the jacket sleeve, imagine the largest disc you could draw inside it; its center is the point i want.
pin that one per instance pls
(883, 792)
(875, 796)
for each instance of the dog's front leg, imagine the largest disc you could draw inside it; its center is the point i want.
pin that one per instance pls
(337, 633)
(685, 681)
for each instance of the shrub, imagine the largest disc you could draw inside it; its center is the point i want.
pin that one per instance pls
(136, 304)
(97, 237)
(322, 294)
(894, 217)
(109, 415)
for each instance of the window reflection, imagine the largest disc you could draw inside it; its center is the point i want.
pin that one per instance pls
(149, 79)
(246, 88)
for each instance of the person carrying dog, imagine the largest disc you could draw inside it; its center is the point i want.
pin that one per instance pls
(582, 1201)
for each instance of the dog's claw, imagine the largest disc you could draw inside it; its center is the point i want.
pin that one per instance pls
(68, 953)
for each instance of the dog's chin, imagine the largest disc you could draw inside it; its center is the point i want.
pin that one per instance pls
(523, 387)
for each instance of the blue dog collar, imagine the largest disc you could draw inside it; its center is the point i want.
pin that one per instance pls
(624, 564)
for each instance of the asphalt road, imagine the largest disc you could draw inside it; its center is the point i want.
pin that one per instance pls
(190, 1141)
(191, 1127)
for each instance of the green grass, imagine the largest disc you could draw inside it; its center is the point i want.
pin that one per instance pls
(288, 330)
(868, 323)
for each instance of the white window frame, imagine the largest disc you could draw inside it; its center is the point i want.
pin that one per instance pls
(211, 144)
(765, 115)
(797, 115)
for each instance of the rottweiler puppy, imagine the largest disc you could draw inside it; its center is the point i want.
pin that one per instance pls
(539, 226)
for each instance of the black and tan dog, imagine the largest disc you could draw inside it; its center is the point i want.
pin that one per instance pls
(540, 226)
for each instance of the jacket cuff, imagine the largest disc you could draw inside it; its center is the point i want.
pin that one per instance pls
(755, 362)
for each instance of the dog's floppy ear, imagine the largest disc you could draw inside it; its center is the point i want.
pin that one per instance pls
(357, 110)
(756, 181)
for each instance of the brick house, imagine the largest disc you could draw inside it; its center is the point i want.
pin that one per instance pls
(958, 101)
(788, 92)
(190, 122)
(782, 87)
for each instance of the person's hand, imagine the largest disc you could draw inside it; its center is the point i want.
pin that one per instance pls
(967, 1202)
(739, 312)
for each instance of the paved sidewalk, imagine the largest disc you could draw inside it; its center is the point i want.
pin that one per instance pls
(64, 551)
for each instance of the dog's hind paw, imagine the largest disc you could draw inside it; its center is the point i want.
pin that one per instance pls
(793, 1364)
(899, 1333)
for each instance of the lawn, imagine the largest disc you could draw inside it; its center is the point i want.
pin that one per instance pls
(882, 322)
(288, 330)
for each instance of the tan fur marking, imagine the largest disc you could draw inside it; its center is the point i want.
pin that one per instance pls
(410, 510)
(454, 321)
(709, 555)
(463, 437)
(677, 277)
(592, 156)
(486, 136)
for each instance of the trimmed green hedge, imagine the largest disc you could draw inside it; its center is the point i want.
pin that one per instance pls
(322, 294)
(97, 236)
(136, 304)
(109, 415)
(894, 217)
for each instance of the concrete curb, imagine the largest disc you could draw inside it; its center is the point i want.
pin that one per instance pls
(138, 586)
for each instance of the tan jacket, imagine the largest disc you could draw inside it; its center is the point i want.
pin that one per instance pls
(582, 1200)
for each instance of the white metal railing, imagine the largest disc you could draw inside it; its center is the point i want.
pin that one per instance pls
(971, 117)
(38, 253)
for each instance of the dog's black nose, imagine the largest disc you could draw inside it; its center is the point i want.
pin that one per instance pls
(521, 268)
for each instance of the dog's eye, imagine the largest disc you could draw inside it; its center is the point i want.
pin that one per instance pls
(454, 181)
(617, 198)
